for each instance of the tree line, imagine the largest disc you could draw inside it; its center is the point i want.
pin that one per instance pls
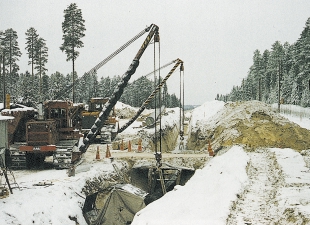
(37, 86)
(279, 75)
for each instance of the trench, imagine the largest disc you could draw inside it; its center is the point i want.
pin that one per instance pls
(140, 171)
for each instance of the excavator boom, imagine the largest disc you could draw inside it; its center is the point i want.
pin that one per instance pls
(153, 31)
(107, 59)
(147, 101)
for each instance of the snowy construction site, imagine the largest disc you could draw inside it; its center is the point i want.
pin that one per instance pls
(237, 163)
(106, 162)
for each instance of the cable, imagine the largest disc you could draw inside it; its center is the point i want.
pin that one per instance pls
(107, 59)
(155, 100)
(160, 103)
(164, 66)
(181, 102)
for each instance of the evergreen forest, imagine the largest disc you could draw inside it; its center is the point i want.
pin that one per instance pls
(36, 85)
(279, 75)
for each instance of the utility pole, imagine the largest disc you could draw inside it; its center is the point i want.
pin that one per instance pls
(3, 81)
(279, 83)
(1, 70)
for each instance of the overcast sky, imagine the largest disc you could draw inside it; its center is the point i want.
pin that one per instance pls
(215, 38)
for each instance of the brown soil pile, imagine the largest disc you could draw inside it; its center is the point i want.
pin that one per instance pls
(252, 124)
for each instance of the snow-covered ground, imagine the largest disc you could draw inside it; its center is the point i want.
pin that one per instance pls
(265, 186)
(48, 196)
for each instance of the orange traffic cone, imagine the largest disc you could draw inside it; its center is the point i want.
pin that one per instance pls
(211, 153)
(122, 146)
(139, 145)
(108, 153)
(129, 146)
(97, 153)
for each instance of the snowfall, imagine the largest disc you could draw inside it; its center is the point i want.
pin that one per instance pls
(234, 187)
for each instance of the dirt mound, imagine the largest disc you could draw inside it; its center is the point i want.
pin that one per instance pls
(253, 124)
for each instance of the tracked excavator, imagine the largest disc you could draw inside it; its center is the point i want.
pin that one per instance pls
(50, 133)
(56, 131)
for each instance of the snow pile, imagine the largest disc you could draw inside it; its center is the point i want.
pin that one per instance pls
(48, 197)
(207, 196)
(124, 111)
(253, 124)
(201, 114)
(16, 108)
(170, 121)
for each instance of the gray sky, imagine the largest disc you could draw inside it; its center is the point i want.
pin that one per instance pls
(215, 38)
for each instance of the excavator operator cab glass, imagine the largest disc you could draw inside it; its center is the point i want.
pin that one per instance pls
(58, 113)
(98, 107)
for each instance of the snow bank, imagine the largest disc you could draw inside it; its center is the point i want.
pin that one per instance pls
(202, 113)
(18, 107)
(48, 197)
(207, 196)
(124, 111)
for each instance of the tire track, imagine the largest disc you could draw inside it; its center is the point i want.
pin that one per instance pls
(258, 204)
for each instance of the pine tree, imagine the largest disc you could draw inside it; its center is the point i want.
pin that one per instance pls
(257, 72)
(11, 53)
(31, 41)
(73, 30)
(25, 87)
(40, 60)
(45, 87)
(57, 84)
(2, 76)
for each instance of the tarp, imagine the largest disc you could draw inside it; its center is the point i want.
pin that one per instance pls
(116, 205)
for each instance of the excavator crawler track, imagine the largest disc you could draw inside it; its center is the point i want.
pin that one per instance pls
(62, 158)
(18, 158)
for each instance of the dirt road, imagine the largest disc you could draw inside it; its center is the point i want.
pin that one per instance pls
(264, 200)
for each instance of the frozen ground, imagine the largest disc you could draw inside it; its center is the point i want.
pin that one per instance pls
(49, 196)
(263, 186)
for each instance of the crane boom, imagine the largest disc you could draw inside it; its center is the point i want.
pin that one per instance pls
(147, 101)
(107, 59)
(162, 67)
(153, 31)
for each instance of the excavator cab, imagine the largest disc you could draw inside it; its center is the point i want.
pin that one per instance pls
(66, 115)
(109, 130)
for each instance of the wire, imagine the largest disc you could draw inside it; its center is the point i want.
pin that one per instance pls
(160, 103)
(103, 62)
(158, 69)
(155, 101)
